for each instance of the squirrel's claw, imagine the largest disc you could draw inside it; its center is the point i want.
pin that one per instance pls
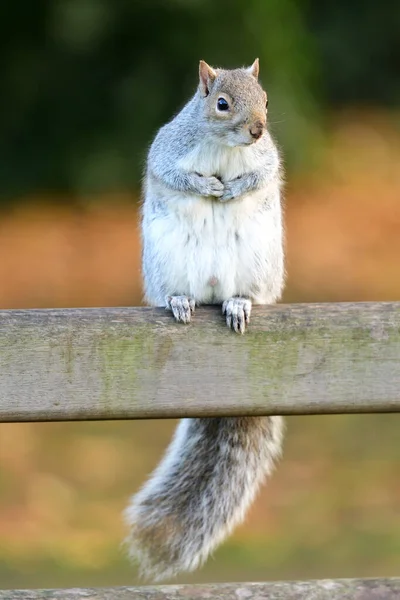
(210, 186)
(227, 195)
(182, 307)
(232, 190)
(237, 311)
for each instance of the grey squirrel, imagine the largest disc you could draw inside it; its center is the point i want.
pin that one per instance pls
(212, 234)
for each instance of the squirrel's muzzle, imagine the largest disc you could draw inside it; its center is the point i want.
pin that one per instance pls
(256, 129)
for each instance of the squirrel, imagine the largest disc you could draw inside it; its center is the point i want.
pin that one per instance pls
(212, 233)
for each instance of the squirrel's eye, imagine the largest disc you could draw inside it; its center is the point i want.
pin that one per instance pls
(222, 104)
(266, 104)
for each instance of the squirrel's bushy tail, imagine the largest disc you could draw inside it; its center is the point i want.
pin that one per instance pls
(200, 491)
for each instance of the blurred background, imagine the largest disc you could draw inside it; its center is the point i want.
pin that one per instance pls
(85, 84)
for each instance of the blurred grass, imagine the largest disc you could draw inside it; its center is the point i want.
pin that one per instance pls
(331, 509)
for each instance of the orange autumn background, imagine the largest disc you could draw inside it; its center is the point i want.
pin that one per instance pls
(332, 507)
(342, 232)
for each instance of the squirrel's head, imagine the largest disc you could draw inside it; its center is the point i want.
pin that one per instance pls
(234, 103)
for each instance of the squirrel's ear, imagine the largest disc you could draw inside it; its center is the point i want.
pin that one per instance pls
(255, 68)
(206, 76)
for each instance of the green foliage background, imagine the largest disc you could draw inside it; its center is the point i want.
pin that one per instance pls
(86, 83)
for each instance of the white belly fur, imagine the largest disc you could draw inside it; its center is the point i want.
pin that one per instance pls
(203, 241)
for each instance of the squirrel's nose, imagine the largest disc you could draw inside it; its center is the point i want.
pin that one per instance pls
(256, 130)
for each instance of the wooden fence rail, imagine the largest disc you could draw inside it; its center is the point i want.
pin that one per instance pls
(134, 363)
(345, 589)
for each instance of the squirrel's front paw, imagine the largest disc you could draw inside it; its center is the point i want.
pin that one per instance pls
(210, 186)
(182, 307)
(237, 311)
(232, 190)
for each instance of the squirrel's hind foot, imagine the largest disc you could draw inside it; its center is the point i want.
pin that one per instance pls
(182, 307)
(237, 311)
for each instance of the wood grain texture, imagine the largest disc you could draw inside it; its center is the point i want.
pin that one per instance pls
(346, 589)
(123, 363)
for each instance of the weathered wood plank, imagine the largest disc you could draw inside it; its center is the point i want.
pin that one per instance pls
(345, 589)
(119, 363)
